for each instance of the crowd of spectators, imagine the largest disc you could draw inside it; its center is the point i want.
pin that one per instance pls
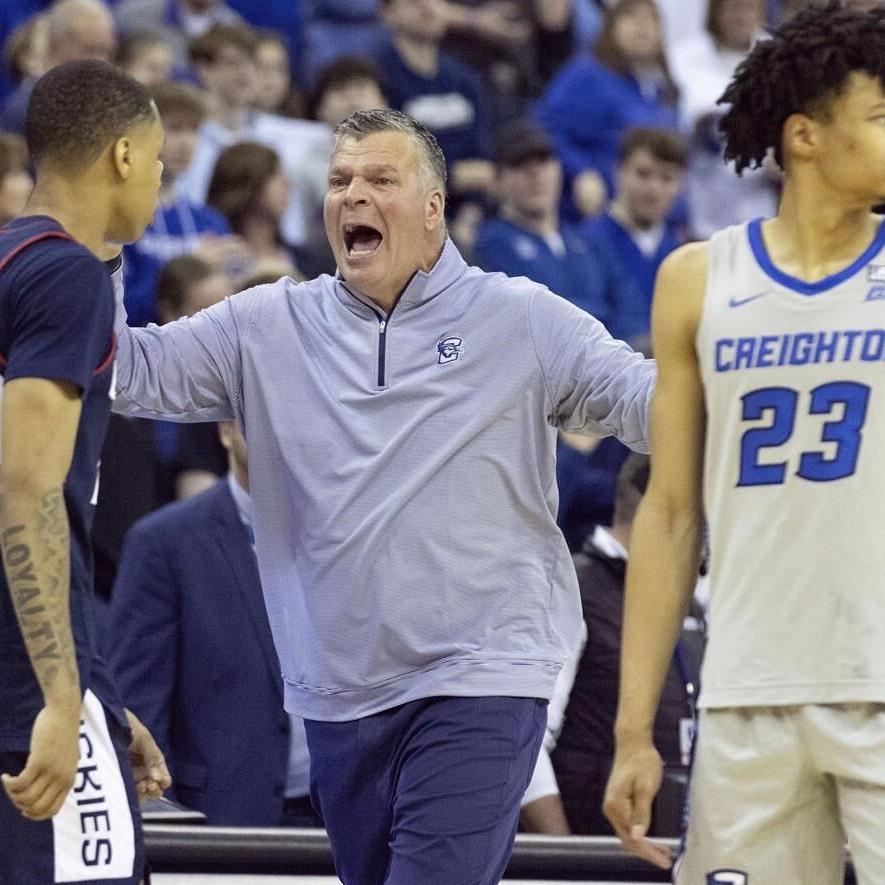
(582, 147)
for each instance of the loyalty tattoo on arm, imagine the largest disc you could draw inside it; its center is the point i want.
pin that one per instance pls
(36, 556)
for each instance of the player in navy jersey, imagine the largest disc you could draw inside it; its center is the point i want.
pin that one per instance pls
(769, 420)
(68, 750)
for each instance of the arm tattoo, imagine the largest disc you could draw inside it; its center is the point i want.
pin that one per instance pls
(37, 562)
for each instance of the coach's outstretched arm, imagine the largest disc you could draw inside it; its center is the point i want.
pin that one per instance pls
(664, 549)
(596, 384)
(189, 370)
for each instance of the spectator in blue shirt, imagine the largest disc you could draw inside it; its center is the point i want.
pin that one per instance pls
(438, 91)
(528, 239)
(594, 100)
(635, 231)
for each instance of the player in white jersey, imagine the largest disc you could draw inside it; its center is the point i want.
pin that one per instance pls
(769, 419)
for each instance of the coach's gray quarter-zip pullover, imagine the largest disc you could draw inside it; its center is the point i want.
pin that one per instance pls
(402, 471)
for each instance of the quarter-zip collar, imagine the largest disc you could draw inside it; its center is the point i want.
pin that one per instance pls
(421, 288)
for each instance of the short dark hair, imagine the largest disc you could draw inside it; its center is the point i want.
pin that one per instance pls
(631, 485)
(176, 277)
(78, 108)
(663, 144)
(205, 49)
(362, 123)
(240, 174)
(806, 63)
(338, 73)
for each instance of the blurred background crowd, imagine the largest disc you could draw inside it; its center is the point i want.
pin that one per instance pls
(582, 147)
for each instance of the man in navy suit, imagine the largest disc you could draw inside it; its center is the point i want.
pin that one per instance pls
(193, 653)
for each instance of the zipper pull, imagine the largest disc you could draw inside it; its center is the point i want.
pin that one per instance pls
(382, 326)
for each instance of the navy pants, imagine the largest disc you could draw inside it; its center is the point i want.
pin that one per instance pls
(427, 792)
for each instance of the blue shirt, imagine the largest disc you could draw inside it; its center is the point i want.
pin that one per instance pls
(402, 471)
(629, 311)
(587, 108)
(580, 273)
(175, 230)
(56, 322)
(452, 104)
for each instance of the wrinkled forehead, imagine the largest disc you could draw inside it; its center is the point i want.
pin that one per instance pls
(395, 150)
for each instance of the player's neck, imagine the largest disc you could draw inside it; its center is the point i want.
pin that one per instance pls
(814, 238)
(74, 207)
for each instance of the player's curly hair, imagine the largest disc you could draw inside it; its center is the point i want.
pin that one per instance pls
(805, 64)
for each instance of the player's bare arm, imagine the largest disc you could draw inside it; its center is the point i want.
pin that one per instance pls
(39, 426)
(665, 548)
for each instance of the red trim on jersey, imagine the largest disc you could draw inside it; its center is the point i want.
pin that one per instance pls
(45, 235)
(109, 358)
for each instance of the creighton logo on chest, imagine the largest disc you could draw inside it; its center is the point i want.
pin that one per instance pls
(449, 349)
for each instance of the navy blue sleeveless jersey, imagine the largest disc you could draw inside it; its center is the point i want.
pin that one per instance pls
(56, 322)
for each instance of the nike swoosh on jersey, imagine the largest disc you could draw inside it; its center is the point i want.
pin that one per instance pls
(737, 302)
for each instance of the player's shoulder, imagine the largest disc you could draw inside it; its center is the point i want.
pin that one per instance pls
(687, 262)
(39, 250)
(37, 237)
(679, 293)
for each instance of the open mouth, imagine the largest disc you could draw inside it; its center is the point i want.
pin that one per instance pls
(361, 239)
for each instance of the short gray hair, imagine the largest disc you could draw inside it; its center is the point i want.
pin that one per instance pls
(363, 123)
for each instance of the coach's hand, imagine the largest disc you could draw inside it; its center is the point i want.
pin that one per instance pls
(634, 782)
(148, 765)
(39, 790)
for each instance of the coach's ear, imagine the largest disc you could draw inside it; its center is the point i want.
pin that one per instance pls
(121, 156)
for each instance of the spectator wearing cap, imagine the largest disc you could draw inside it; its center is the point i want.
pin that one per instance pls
(635, 230)
(527, 237)
(180, 21)
(75, 29)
